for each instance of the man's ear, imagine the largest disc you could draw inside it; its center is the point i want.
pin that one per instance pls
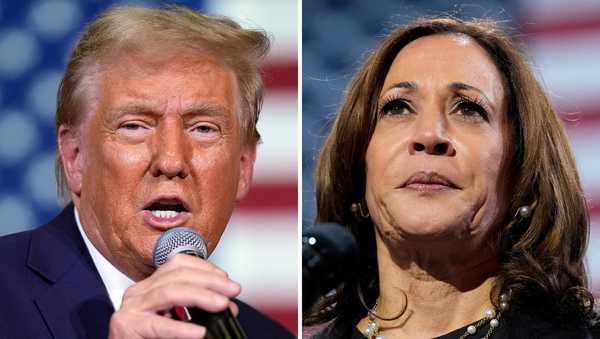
(69, 148)
(246, 170)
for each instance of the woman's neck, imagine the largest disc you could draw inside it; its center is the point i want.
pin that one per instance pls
(442, 292)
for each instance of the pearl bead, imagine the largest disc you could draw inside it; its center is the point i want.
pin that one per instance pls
(503, 297)
(367, 331)
(525, 211)
(504, 305)
(471, 329)
(494, 323)
(379, 337)
(490, 313)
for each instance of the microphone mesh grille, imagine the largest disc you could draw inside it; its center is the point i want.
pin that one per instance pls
(178, 240)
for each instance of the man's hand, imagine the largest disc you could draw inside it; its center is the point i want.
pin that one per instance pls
(183, 281)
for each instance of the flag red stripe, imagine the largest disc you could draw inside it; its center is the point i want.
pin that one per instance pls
(271, 196)
(281, 75)
(566, 25)
(287, 317)
(581, 119)
(595, 210)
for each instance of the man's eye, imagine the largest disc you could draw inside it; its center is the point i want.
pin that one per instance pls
(133, 126)
(204, 129)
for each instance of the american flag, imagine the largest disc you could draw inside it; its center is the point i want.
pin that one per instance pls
(259, 247)
(564, 41)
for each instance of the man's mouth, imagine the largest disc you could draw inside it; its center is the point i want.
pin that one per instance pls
(166, 212)
(166, 209)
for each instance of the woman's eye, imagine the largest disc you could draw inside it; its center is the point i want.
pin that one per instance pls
(396, 107)
(472, 110)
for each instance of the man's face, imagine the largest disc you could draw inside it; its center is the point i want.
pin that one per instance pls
(161, 149)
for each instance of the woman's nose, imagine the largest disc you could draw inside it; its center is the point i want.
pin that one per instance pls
(170, 149)
(431, 137)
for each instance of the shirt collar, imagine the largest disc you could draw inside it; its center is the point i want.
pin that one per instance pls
(114, 280)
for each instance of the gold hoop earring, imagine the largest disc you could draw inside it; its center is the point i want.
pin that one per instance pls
(357, 209)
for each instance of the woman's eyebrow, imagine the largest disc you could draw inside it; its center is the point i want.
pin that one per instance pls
(461, 86)
(403, 84)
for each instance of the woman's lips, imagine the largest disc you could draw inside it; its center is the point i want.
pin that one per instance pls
(165, 219)
(429, 182)
(424, 187)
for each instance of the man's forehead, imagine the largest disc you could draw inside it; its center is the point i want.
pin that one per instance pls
(184, 83)
(151, 59)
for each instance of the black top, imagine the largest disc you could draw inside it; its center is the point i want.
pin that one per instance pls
(513, 325)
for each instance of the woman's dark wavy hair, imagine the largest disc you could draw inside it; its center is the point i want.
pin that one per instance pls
(541, 260)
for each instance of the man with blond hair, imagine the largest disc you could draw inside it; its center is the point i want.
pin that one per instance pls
(156, 129)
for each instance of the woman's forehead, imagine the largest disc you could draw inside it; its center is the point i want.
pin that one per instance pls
(438, 60)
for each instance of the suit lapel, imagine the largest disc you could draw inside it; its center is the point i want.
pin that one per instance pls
(76, 304)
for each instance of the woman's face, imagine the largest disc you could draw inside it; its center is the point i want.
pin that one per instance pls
(434, 159)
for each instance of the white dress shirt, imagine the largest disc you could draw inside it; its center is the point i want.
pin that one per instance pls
(114, 280)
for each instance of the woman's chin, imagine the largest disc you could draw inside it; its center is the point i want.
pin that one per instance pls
(425, 226)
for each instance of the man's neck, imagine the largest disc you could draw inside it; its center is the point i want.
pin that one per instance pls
(114, 280)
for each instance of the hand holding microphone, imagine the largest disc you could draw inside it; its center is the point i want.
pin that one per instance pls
(180, 280)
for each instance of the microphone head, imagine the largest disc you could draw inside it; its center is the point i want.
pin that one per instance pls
(178, 240)
(329, 255)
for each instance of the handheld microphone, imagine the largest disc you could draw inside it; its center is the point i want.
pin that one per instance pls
(222, 325)
(329, 253)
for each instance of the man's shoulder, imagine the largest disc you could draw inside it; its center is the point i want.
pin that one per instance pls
(13, 250)
(258, 325)
(18, 249)
(14, 240)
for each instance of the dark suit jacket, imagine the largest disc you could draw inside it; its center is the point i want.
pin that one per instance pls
(50, 288)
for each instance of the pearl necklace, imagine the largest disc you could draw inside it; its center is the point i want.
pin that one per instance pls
(373, 331)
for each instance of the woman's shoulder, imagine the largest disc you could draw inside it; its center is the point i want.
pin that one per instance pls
(518, 324)
(531, 324)
(334, 329)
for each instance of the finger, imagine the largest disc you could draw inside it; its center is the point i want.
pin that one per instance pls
(187, 276)
(183, 260)
(154, 326)
(216, 279)
(184, 295)
(233, 307)
(200, 280)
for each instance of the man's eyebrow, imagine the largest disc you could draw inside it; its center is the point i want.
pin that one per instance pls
(131, 108)
(207, 109)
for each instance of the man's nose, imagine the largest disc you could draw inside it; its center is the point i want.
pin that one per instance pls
(431, 135)
(170, 158)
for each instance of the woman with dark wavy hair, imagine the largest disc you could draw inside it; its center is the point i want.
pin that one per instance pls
(453, 171)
